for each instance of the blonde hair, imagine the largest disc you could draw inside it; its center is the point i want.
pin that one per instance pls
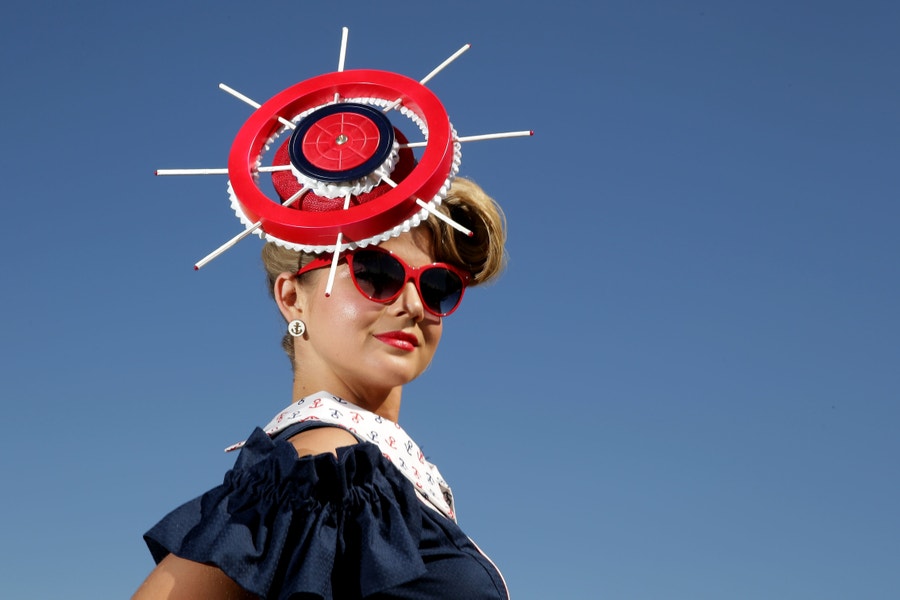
(483, 255)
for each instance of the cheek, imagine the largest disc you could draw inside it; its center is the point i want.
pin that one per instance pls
(345, 304)
(348, 312)
(433, 334)
(351, 307)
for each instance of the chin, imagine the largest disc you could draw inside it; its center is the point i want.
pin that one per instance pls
(397, 377)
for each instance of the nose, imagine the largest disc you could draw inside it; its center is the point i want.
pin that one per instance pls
(410, 301)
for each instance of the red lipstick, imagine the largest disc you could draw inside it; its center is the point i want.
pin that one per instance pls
(399, 339)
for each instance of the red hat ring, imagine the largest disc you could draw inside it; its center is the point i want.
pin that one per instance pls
(344, 175)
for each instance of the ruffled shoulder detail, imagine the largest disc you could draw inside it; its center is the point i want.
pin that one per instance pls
(281, 525)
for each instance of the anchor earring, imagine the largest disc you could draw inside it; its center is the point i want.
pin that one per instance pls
(297, 328)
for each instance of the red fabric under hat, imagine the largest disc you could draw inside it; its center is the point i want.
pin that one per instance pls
(286, 185)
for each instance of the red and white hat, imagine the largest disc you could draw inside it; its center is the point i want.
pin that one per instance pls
(344, 174)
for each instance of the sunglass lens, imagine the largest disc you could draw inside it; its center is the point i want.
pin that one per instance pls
(441, 289)
(378, 275)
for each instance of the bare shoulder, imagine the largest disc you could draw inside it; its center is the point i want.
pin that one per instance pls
(321, 440)
(179, 579)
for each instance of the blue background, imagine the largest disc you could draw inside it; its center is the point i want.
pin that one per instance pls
(685, 386)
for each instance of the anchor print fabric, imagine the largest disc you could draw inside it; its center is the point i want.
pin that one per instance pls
(394, 443)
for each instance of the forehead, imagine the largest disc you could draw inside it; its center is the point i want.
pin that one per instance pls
(414, 247)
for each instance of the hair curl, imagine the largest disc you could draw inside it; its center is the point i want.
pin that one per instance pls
(483, 255)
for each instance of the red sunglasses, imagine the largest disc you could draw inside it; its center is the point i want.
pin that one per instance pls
(380, 275)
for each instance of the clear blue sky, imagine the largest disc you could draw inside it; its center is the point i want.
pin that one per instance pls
(687, 382)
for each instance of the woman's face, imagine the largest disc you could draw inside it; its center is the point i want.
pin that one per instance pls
(357, 348)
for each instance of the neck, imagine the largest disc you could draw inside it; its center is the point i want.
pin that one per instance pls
(385, 403)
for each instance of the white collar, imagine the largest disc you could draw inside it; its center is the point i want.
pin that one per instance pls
(395, 444)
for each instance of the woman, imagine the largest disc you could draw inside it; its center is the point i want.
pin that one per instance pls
(332, 499)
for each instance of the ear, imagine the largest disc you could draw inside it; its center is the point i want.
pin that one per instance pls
(288, 297)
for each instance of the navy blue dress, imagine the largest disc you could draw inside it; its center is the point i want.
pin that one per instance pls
(327, 527)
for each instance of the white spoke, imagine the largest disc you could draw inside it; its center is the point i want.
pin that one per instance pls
(334, 261)
(444, 64)
(337, 252)
(434, 72)
(253, 103)
(230, 243)
(192, 171)
(342, 58)
(218, 171)
(431, 209)
(444, 218)
(476, 138)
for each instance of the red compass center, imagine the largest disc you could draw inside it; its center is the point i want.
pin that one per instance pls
(341, 141)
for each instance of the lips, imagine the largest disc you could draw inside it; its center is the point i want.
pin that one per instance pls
(399, 339)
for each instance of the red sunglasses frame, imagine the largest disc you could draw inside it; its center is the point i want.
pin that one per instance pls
(413, 274)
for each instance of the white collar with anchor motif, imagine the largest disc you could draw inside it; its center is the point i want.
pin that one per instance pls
(394, 443)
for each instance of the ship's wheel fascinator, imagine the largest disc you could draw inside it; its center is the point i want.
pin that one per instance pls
(344, 175)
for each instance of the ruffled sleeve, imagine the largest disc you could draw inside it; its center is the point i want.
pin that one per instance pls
(280, 525)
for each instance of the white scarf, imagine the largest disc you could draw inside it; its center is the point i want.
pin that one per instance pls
(394, 443)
